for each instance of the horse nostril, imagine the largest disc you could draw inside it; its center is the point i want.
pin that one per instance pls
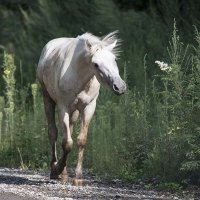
(115, 88)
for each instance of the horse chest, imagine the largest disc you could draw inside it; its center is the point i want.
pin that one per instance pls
(86, 96)
(81, 101)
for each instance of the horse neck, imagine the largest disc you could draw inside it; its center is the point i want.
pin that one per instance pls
(83, 70)
(81, 63)
(78, 72)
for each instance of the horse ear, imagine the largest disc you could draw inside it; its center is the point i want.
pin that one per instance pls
(88, 45)
(111, 46)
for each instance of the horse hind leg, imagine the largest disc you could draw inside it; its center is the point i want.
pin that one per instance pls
(49, 106)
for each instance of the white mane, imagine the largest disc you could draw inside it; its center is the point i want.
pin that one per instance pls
(90, 37)
(103, 41)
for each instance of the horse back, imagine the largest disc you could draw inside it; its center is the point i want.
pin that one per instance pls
(51, 62)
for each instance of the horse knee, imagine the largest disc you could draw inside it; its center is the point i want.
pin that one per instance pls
(81, 141)
(67, 145)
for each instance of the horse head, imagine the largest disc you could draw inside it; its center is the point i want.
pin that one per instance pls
(103, 62)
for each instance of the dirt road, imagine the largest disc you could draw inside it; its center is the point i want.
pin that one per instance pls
(17, 184)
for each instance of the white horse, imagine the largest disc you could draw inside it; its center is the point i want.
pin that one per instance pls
(70, 71)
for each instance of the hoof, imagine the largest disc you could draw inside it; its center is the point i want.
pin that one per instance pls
(64, 176)
(78, 182)
(54, 176)
(58, 172)
(54, 173)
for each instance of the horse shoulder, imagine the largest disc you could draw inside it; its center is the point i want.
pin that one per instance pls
(90, 92)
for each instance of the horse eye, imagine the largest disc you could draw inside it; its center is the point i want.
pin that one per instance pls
(96, 65)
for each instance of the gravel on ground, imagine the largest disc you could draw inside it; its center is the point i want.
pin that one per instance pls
(16, 184)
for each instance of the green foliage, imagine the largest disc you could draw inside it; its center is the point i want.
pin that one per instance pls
(8, 76)
(177, 100)
(166, 186)
(118, 136)
(171, 187)
(153, 136)
(21, 130)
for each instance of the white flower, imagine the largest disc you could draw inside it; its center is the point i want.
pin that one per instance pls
(163, 66)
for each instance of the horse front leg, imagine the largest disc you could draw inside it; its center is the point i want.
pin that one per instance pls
(82, 139)
(61, 166)
(73, 118)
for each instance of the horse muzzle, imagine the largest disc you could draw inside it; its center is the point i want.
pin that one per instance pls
(119, 86)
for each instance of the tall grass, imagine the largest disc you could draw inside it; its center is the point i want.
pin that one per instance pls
(154, 133)
(22, 127)
(8, 76)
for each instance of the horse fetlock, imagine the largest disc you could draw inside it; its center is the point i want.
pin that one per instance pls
(79, 172)
(53, 163)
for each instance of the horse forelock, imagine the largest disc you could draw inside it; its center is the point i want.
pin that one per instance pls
(91, 38)
(100, 43)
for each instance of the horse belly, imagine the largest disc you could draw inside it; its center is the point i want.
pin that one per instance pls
(49, 81)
